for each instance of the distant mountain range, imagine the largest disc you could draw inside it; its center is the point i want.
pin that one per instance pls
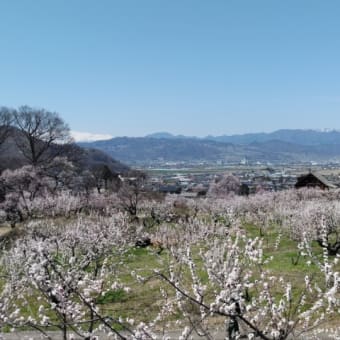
(281, 146)
(303, 137)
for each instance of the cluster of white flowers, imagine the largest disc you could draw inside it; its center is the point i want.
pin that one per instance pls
(57, 272)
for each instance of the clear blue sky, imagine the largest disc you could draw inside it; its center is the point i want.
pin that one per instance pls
(194, 67)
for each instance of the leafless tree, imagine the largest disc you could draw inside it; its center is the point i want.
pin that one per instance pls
(43, 133)
(61, 171)
(6, 117)
(131, 191)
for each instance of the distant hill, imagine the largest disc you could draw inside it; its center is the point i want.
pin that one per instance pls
(145, 150)
(167, 135)
(11, 157)
(140, 149)
(92, 157)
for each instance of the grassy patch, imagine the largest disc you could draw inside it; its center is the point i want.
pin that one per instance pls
(112, 296)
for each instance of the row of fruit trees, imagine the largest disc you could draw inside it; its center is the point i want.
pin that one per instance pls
(261, 267)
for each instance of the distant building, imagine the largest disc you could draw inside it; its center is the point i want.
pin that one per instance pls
(313, 180)
(244, 189)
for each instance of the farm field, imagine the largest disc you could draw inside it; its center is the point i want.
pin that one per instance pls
(263, 266)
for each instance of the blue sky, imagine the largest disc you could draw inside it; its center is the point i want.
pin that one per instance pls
(189, 67)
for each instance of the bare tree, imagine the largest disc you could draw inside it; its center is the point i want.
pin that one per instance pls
(131, 191)
(43, 134)
(61, 171)
(6, 117)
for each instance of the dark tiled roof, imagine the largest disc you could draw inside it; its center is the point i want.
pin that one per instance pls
(323, 180)
(301, 181)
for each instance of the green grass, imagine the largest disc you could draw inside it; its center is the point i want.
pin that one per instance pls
(112, 297)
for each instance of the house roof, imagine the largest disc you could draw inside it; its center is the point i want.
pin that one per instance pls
(323, 180)
(319, 177)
